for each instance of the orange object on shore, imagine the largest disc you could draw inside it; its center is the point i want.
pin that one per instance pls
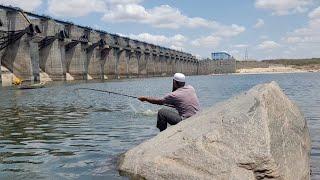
(17, 81)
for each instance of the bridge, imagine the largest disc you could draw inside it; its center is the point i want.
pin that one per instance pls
(31, 45)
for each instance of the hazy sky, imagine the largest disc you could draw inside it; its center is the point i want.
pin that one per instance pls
(266, 28)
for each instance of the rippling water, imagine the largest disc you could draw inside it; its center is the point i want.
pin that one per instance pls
(63, 133)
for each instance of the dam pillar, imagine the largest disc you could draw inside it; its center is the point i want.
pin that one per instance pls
(143, 64)
(17, 56)
(135, 55)
(197, 68)
(167, 61)
(200, 68)
(105, 53)
(189, 66)
(150, 64)
(157, 61)
(170, 63)
(3, 29)
(139, 57)
(124, 55)
(173, 62)
(142, 71)
(52, 50)
(178, 64)
(75, 52)
(194, 67)
(163, 64)
(96, 56)
(183, 65)
(122, 63)
(110, 67)
(192, 71)
(133, 65)
(157, 65)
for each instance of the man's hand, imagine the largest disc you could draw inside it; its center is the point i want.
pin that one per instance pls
(151, 100)
(143, 98)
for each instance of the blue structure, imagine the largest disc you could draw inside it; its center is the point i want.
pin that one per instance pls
(221, 56)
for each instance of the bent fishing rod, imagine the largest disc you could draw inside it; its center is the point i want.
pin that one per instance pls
(110, 92)
(116, 93)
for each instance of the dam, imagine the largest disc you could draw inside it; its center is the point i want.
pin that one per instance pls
(32, 46)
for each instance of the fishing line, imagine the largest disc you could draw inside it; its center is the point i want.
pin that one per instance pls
(115, 93)
(110, 92)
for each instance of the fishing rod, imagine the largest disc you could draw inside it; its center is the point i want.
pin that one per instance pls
(110, 92)
(120, 94)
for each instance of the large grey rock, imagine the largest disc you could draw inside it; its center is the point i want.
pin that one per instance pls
(259, 134)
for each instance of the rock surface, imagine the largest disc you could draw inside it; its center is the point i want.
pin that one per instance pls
(259, 134)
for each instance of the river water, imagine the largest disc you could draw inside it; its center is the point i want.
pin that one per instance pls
(59, 132)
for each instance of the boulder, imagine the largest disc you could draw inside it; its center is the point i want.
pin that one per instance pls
(259, 134)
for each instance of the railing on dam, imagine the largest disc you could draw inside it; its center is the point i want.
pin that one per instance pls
(31, 44)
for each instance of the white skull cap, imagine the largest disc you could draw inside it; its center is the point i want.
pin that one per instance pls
(179, 77)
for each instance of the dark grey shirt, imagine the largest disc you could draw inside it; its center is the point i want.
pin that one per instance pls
(184, 100)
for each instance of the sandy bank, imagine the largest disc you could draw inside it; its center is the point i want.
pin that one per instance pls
(278, 69)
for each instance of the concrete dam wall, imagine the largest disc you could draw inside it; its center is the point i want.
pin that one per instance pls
(31, 45)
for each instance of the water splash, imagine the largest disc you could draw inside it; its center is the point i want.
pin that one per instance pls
(132, 107)
(143, 111)
(149, 112)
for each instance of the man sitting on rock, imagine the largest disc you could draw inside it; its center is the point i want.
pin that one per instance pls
(183, 98)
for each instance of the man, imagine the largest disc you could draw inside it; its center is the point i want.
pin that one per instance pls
(183, 98)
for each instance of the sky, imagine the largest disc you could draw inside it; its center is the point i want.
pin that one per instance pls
(266, 29)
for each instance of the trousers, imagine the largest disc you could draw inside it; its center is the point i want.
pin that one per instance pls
(166, 116)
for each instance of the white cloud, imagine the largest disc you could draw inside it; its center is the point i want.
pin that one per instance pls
(123, 1)
(267, 45)
(229, 31)
(78, 8)
(176, 42)
(75, 8)
(236, 54)
(209, 41)
(200, 22)
(178, 48)
(198, 56)
(284, 7)
(157, 16)
(315, 13)
(259, 23)
(126, 13)
(241, 45)
(263, 37)
(308, 34)
(154, 39)
(214, 40)
(165, 16)
(29, 5)
(304, 42)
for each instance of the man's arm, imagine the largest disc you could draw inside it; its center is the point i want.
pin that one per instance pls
(151, 100)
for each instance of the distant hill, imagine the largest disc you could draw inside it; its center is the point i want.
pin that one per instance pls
(295, 62)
